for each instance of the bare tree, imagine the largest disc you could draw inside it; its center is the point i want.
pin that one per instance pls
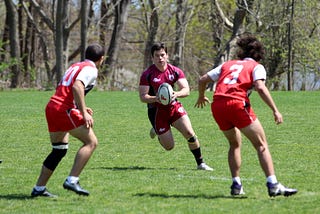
(61, 30)
(26, 42)
(290, 48)
(32, 23)
(152, 28)
(12, 25)
(236, 26)
(84, 27)
(61, 20)
(120, 19)
(183, 15)
(106, 13)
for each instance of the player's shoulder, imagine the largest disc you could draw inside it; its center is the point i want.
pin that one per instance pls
(175, 70)
(147, 74)
(149, 70)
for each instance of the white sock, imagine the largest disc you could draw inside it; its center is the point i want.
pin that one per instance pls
(39, 188)
(236, 179)
(272, 179)
(73, 179)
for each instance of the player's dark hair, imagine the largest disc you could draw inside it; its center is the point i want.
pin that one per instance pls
(94, 52)
(250, 46)
(157, 47)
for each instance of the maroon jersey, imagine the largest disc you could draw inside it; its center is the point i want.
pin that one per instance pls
(153, 77)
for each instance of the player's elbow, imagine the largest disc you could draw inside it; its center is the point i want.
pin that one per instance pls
(187, 91)
(142, 97)
(204, 80)
(261, 89)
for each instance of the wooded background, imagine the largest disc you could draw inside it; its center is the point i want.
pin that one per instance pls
(41, 38)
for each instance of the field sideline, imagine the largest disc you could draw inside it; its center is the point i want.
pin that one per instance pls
(130, 173)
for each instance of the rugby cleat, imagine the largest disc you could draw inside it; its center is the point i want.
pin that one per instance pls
(44, 193)
(278, 189)
(236, 189)
(75, 187)
(204, 166)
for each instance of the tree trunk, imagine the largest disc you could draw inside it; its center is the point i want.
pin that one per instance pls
(61, 40)
(152, 33)
(230, 48)
(181, 26)
(290, 47)
(26, 44)
(84, 27)
(11, 21)
(120, 19)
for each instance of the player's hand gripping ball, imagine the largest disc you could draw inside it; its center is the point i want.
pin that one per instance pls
(165, 93)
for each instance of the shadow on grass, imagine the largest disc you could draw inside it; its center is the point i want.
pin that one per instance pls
(133, 168)
(16, 197)
(163, 195)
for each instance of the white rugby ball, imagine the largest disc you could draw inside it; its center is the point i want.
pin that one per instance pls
(165, 93)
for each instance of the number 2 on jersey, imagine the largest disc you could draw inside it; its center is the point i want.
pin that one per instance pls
(233, 77)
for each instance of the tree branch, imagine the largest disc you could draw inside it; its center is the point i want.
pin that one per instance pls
(43, 15)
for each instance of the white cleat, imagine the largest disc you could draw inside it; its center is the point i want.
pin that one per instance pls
(204, 166)
(278, 189)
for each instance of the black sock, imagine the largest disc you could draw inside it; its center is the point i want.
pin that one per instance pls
(197, 155)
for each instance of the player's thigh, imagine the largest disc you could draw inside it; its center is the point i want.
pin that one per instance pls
(183, 125)
(255, 133)
(234, 137)
(56, 137)
(166, 140)
(84, 134)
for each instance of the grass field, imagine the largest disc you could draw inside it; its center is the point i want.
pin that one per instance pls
(130, 173)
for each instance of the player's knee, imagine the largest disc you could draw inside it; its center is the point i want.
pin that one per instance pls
(168, 148)
(93, 144)
(59, 150)
(261, 148)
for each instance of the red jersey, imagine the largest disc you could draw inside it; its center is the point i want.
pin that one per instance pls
(85, 71)
(153, 77)
(235, 78)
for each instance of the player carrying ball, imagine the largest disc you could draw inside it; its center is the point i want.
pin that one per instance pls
(162, 117)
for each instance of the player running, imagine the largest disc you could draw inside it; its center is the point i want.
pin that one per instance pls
(163, 117)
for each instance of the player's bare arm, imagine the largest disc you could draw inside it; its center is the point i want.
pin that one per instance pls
(202, 84)
(144, 95)
(265, 95)
(184, 89)
(78, 94)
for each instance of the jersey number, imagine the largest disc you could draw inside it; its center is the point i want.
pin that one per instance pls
(68, 76)
(233, 77)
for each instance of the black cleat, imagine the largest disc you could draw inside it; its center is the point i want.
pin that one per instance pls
(278, 189)
(75, 188)
(236, 189)
(43, 193)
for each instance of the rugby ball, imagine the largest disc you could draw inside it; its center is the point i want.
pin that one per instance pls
(165, 93)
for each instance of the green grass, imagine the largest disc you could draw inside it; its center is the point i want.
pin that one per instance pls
(130, 173)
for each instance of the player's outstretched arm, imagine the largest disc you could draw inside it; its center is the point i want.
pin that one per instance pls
(202, 84)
